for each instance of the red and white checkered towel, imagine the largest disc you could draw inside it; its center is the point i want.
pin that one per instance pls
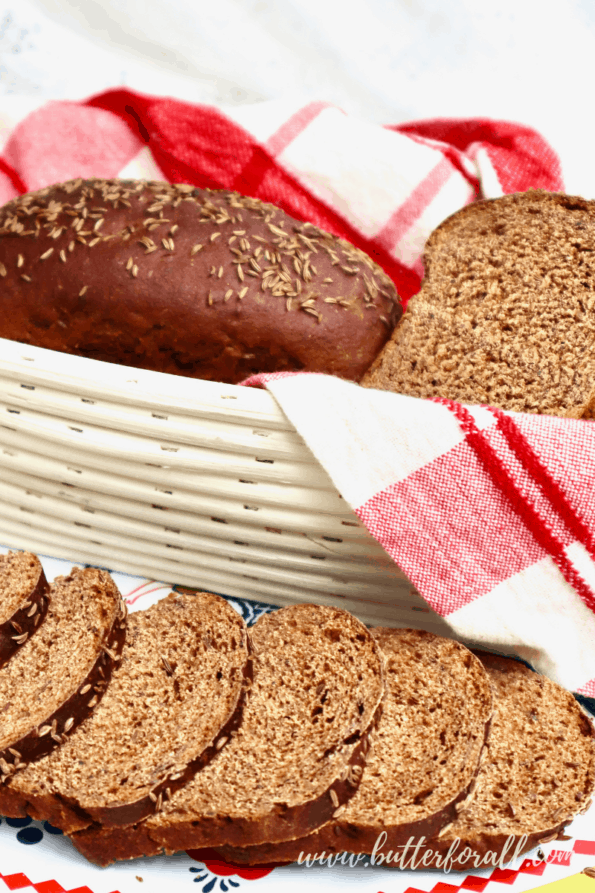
(490, 514)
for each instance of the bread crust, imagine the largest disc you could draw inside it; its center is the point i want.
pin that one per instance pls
(15, 631)
(208, 284)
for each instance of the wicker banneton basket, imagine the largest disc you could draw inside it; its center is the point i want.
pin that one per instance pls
(186, 481)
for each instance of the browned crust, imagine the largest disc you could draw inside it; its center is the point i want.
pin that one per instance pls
(41, 740)
(23, 623)
(106, 845)
(299, 820)
(167, 277)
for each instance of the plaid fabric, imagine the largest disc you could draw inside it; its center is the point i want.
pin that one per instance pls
(489, 513)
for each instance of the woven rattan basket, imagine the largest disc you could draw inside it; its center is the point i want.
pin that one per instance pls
(186, 481)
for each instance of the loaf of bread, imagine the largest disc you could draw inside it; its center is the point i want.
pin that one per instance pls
(173, 701)
(59, 675)
(24, 600)
(208, 284)
(421, 762)
(506, 312)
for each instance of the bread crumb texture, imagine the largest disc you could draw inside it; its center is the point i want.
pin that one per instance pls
(209, 284)
(424, 753)
(20, 573)
(505, 315)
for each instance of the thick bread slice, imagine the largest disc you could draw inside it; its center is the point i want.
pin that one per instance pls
(23, 600)
(423, 757)
(172, 702)
(506, 312)
(55, 680)
(296, 758)
(538, 771)
(297, 755)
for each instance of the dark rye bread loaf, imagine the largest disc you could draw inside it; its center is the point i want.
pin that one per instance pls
(59, 675)
(537, 774)
(423, 756)
(506, 312)
(23, 600)
(296, 757)
(173, 701)
(208, 284)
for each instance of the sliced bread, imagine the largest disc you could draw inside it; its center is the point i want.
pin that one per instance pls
(58, 676)
(171, 705)
(506, 312)
(296, 757)
(23, 600)
(537, 775)
(423, 757)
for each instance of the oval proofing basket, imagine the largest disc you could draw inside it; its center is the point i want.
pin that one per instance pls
(181, 480)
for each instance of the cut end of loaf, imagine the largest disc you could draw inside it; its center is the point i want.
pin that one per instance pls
(506, 313)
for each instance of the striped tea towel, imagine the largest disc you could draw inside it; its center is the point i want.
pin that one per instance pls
(490, 514)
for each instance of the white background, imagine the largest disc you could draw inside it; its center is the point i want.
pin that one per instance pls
(384, 60)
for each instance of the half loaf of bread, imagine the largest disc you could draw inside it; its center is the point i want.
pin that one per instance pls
(172, 703)
(506, 312)
(23, 600)
(423, 757)
(298, 753)
(59, 675)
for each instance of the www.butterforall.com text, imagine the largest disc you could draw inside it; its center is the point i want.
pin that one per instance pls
(417, 854)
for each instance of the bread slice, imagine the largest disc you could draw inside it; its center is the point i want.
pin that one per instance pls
(58, 676)
(297, 755)
(538, 771)
(423, 757)
(506, 312)
(23, 600)
(171, 705)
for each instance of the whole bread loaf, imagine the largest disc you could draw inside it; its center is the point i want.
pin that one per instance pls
(172, 704)
(506, 312)
(24, 600)
(424, 754)
(206, 284)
